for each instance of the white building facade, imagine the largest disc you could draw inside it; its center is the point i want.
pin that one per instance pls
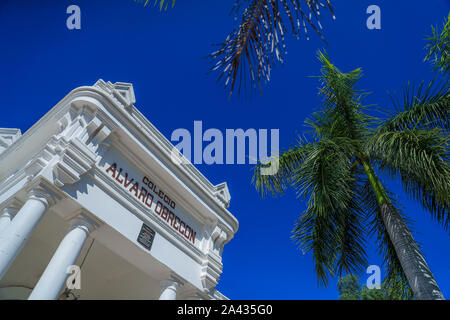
(92, 206)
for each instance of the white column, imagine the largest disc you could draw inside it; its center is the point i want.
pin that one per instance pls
(169, 289)
(20, 228)
(7, 215)
(55, 275)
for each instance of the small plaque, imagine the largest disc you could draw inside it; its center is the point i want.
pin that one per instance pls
(146, 236)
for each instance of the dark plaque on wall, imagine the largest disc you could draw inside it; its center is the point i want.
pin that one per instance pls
(146, 236)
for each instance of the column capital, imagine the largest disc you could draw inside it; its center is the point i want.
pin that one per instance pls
(11, 207)
(42, 193)
(169, 288)
(84, 222)
(193, 294)
(173, 282)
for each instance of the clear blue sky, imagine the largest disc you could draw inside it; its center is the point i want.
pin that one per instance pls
(162, 54)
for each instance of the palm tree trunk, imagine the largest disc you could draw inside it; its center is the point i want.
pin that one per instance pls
(413, 263)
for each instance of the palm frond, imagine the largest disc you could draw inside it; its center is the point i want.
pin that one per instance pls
(318, 233)
(420, 157)
(427, 106)
(163, 4)
(439, 47)
(342, 101)
(397, 288)
(352, 227)
(247, 54)
(288, 162)
(330, 226)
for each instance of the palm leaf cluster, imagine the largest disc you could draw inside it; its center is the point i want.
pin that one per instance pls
(247, 54)
(330, 169)
(439, 47)
(424, 106)
(350, 288)
(420, 158)
(163, 4)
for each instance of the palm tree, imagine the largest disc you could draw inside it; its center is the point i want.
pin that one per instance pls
(247, 54)
(335, 170)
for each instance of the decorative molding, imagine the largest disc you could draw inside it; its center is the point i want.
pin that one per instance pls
(73, 150)
(121, 92)
(35, 166)
(7, 137)
(210, 273)
(219, 238)
(216, 295)
(81, 134)
(75, 160)
(212, 266)
(223, 194)
(124, 92)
